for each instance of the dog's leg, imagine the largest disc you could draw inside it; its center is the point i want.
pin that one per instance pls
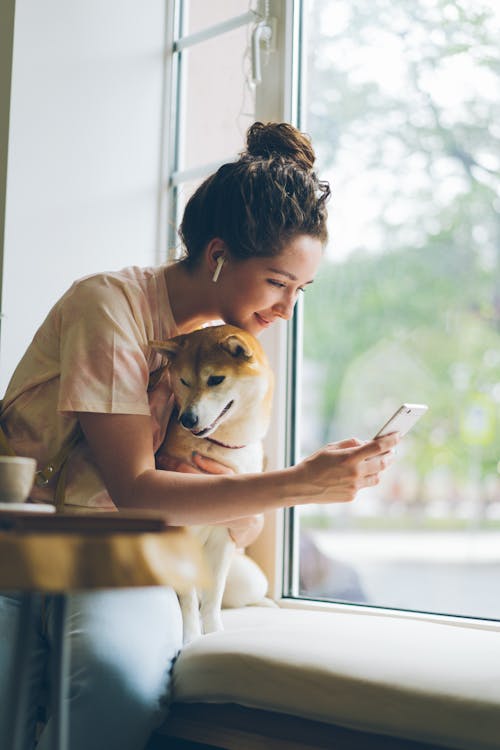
(219, 549)
(191, 623)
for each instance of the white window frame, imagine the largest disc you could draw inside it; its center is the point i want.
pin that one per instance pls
(177, 42)
(278, 100)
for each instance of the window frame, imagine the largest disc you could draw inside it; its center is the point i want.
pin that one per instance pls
(177, 42)
(278, 100)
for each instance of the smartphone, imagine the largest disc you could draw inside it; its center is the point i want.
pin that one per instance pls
(403, 419)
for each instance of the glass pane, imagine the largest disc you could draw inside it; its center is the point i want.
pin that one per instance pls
(219, 104)
(403, 107)
(201, 14)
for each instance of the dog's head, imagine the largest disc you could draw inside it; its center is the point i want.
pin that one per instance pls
(221, 381)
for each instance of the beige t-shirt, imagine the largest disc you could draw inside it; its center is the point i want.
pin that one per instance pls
(91, 354)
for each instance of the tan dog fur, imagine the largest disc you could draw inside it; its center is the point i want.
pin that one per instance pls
(221, 378)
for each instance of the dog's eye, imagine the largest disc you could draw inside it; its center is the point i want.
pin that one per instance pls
(185, 383)
(215, 379)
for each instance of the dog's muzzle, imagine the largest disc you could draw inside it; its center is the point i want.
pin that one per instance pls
(189, 420)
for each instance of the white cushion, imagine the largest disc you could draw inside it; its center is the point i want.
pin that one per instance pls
(401, 677)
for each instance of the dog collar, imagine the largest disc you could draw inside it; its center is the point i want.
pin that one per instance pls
(223, 445)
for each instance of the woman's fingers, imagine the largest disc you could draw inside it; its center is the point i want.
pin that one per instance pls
(185, 468)
(244, 531)
(371, 480)
(209, 466)
(376, 447)
(337, 472)
(200, 465)
(379, 463)
(169, 463)
(349, 443)
(371, 468)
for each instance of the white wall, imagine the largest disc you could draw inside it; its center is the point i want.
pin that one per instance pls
(6, 41)
(84, 156)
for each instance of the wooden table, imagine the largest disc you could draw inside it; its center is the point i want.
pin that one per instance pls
(61, 553)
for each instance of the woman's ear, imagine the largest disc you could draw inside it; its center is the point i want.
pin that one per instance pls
(217, 254)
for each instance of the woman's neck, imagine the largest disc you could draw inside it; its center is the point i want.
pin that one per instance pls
(189, 298)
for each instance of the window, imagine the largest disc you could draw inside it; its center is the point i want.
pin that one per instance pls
(213, 101)
(402, 102)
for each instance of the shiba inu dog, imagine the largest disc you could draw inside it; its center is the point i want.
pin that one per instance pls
(223, 388)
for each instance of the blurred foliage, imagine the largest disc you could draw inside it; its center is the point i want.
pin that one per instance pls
(426, 283)
(321, 522)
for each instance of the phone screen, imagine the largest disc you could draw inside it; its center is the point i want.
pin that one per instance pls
(403, 419)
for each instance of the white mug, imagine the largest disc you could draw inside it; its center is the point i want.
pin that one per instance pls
(17, 474)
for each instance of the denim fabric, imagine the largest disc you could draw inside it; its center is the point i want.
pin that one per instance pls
(122, 646)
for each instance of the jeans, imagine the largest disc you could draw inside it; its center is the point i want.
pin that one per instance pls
(122, 645)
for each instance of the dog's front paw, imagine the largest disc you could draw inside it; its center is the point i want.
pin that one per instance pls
(191, 624)
(191, 631)
(212, 622)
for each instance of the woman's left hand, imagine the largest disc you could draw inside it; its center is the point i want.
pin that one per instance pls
(243, 531)
(200, 465)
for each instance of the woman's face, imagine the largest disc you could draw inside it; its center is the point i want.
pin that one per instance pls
(254, 293)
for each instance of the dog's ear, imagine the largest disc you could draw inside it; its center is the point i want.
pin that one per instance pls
(236, 346)
(169, 348)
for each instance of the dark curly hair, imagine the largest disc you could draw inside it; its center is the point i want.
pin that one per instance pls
(260, 202)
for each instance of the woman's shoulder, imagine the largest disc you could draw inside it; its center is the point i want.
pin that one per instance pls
(134, 297)
(132, 277)
(129, 284)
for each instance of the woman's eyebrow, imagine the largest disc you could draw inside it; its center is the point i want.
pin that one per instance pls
(287, 274)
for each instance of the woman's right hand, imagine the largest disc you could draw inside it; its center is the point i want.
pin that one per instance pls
(335, 473)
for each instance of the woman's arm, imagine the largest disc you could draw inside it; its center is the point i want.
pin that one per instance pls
(122, 447)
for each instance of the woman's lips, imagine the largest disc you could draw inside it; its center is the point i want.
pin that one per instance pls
(263, 321)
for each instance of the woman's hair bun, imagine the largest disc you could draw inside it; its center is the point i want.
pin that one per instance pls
(280, 139)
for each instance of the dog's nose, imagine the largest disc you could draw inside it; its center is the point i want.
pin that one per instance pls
(189, 420)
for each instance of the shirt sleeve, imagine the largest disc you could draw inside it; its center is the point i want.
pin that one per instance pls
(103, 350)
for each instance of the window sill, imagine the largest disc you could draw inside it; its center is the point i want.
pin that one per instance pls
(314, 605)
(407, 678)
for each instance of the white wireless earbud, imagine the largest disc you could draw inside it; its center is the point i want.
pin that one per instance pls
(220, 263)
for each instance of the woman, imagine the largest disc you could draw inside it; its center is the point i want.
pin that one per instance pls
(253, 236)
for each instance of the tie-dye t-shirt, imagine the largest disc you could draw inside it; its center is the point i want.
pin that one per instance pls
(91, 354)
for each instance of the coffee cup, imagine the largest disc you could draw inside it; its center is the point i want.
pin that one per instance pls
(17, 474)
